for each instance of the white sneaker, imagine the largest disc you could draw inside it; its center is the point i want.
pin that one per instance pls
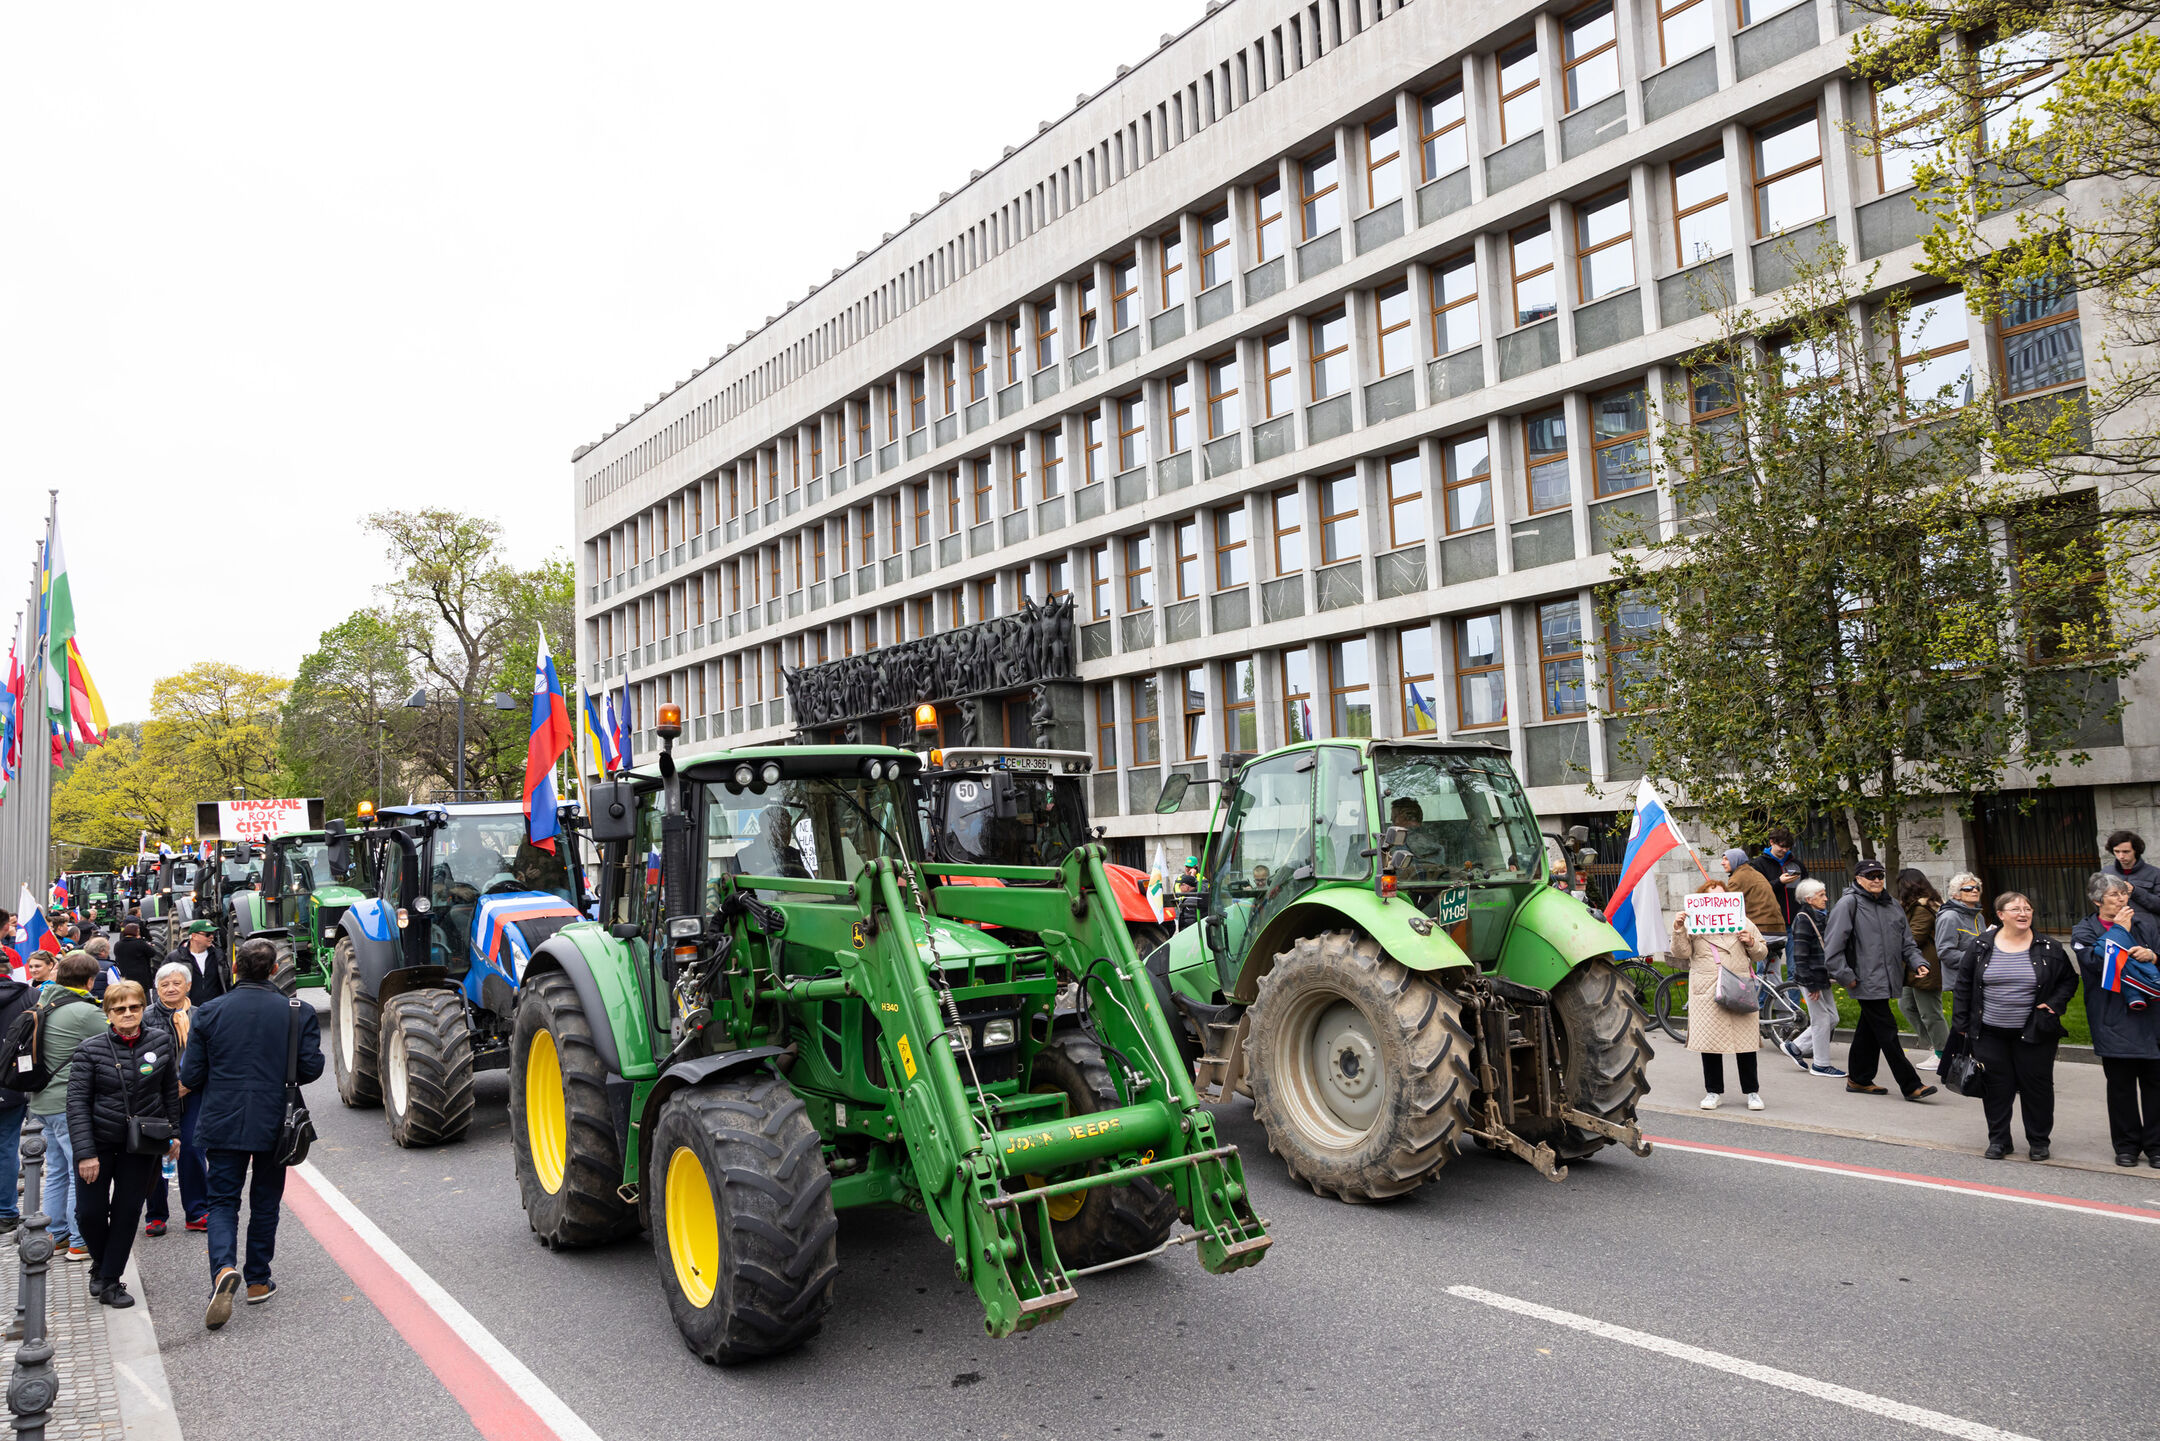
(1932, 1063)
(1710, 1102)
(1754, 1101)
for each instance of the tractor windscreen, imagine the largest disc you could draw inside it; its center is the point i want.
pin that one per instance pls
(1005, 818)
(306, 866)
(483, 855)
(824, 829)
(1467, 817)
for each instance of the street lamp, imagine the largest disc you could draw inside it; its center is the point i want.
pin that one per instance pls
(502, 700)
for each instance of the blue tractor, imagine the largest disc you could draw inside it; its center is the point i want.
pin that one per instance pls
(425, 974)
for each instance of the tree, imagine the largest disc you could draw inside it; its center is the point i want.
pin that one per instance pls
(108, 796)
(213, 731)
(345, 733)
(1856, 617)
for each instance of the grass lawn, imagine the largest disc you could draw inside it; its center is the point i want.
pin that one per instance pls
(2073, 1017)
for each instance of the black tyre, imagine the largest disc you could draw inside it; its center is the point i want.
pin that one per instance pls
(1108, 1223)
(1671, 1006)
(355, 1028)
(1642, 978)
(426, 1063)
(742, 1218)
(562, 1134)
(1605, 1054)
(283, 975)
(1359, 1067)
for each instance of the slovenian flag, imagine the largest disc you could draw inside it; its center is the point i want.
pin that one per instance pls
(2120, 971)
(550, 737)
(35, 933)
(1634, 910)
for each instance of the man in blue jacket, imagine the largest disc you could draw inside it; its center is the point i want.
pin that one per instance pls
(236, 1059)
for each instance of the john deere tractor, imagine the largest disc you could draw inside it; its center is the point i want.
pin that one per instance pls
(97, 895)
(298, 904)
(427, 963)
(1382, 964)
(791, 1013)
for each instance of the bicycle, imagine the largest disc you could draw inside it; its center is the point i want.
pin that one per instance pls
(1782, 1012)
(1639, 976)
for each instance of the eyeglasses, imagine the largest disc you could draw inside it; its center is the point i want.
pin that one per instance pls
(122, 1010)
(1963, 889)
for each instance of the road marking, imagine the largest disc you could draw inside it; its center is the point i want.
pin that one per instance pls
(1929, 1183)
(506, 1401)
(1732, 1365)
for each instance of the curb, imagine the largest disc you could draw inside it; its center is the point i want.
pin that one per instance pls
(1884, 1138)
(146, 1401)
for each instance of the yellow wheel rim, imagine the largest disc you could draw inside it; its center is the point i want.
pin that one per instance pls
(547, 1127)
(1067, 1206)
(693, 1227)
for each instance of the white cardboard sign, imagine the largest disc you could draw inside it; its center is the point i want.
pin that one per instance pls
(1715, 913)
(252, 820)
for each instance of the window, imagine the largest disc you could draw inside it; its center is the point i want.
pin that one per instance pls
(952, 376)
(1275, 357)
(1329, 338)
(892, 515)
(1342, 534)
(1267, 220)
(2015, 76)
(925, 620)
(1106, 724)
(952, 502)
(918, 400)
(1319, 192)
(842, 527)
(1091, 444)
(1454, 304)
(1177, 399)
(1193, 685)
(1934, 361)
(981, 485)
(1590, 64)
(1046, 332)
(1545, 445)
(1087, 311)
(1099, 581)
(1713, 399)
(1132, 432)
(922, 512)
(1241, 725)
(1186, 535)
(1124, 287)
(1297, 696)
(1170, 250)
(1139, 571)
(2040, 342)
(817, 450)
(986, 606)
(1016, 463)
(1480, 673)
(1146, 748)
(1685, 29)
(978, 365)
(1350, 687)
(1057, 577)
(1413, 662)
(1383, 154)
(1604, 245)
(1222, 396)
(1521, 112)
(1788, 173)
(1444, 140)
(1634, 621)
(1537, 293)
(1753, 11)
(1012, 350)
(1560, 659)
(1906, 130)
(1051, 444)
(1391, 306)
(1214, 247)
(1233, 564)
(1466, 482)
(1289, 515)
(1620, 442)
(1405, 500)
(892, 414)
(1701, 207)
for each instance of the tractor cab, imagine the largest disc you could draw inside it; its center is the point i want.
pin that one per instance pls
(1004, 807)
(467, 852)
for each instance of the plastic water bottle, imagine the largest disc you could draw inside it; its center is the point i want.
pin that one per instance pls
(169, 1168)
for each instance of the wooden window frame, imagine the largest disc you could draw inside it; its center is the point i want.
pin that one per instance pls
(1500, 65)
(952, 502)
(817, 449)
(918, 399)
(1329, 518)
(892, 511)
(1664, 14)
(1308, 197)
(1615, 649)
(978, 363)
(1602, 443)
(1583, 251)
(1145, 725)
(1699, 416)
(925, 615)
(892, 411)
(1375, 163)
(1531, 462)
(1264, 191)
(1208, 254)
(1316, 357)
(982, 483)
(951, 377)
(921, 497)
(1760, 183)
(1396, 501)
(1405, 679)
(1465, 673)
(1124, 316)
(1016, 473)
(2004, 334)
(1226, 552)
(1337, 691)
(1235, 701)
(1050, 446)
(817, 558)
(1269, 375)
(1294, 497)
(1194, 731)
(1902, 362)
(1211, 370)
(1516, 277)
(1139, 579)
(1093, 433)
(1057, 576)
(862, 428)
(1088, 317)
(1177, 408)
(1099, 581)
(1569, 64)
(1295, 729)
(1549, 660)
(986, 598)
(1428, 108)
(1682, 212)
(1383, 332)
(1012, 350)
(1442, 306)
(1170, 265)
(1106, 746)
(1125, 458)
(1910, 122)
(1181, 531)
(1046, 339)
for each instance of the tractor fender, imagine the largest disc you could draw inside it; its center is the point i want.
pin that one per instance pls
(496, 995)
(1550, 935)
(1130, 885)
(1352, 907)
(242, 910)
(380, 955)
(685, 1075)
(603, 973)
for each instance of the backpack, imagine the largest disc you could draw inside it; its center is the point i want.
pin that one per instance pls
(24, 1069)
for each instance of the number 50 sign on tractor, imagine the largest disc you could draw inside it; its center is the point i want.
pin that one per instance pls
(1715, 913)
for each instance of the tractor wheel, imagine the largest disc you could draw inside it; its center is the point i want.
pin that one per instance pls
(283, 975)
(1146, 936)
(427, 1067)
(1109, 1223)
(355, 1026)
(742, 1218)
(562, 1135)
(1359, 1066)
(1606, 1055)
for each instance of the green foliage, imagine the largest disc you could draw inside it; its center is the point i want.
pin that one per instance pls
(344, 726)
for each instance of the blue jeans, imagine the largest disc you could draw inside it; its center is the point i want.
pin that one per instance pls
(59, 1179)
(11, 1120)
(194, 1173)
(265, 1190)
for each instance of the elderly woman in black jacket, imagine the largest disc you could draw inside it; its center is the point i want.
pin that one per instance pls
(2008, 1004)
(129, 1072)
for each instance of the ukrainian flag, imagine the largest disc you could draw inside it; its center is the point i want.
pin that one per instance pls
(593, 735)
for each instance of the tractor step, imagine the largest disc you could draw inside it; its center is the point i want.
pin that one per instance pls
(1219, 1074)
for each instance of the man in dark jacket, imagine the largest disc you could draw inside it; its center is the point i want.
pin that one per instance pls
(1869, 948)
(15, 998)
(236, 1058)
(1775, 863)
(2128, 849)
(2127, 1041)
(200, 954)
(136, 958)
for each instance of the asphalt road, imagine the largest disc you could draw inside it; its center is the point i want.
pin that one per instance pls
(2032, 1320)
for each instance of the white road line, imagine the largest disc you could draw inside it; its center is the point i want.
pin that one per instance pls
(530, 1389)
(1753, 1371)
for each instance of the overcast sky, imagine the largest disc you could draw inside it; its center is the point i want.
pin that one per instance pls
(265, 269)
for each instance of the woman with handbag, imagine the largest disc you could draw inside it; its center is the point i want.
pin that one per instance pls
(1921, 999)
(124, 1113)
(2008, 1007)
(1715, 1029)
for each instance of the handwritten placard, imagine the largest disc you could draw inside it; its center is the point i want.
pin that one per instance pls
(1715, 913)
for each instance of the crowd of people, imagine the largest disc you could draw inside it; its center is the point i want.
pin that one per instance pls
(150, 1073)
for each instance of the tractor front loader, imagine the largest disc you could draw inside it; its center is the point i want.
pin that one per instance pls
(792, 1016)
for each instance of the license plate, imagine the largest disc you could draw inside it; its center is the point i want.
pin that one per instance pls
(1454, 907)
(1027, 763)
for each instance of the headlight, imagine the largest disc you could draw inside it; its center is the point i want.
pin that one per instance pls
(329, 933)
(771, 774)
(401, 918)
(875, 770)
(961, 1039)
(422, 906)
(685, 927)
(997, 1033)
(743, 776)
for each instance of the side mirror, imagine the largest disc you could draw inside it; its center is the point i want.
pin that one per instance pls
(1004, 799)
(1394, 838)
(1213, 932)
(623, 930)
(614, 812)
(1173, 793)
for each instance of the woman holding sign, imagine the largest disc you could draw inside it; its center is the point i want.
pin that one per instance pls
(1712, 933)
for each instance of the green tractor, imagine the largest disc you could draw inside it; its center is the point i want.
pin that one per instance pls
(1383, 966)
(97, 895)
(298, 903)
(788, 1016)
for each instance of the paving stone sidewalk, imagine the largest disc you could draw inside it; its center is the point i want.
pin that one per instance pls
(88, 1406)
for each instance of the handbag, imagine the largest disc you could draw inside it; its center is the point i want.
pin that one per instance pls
(1962, 1072)
(1735, 992)
(146, 1135)
(296, 1129)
